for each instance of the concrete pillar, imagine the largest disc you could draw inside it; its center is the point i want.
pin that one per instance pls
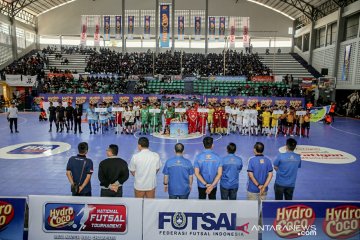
(123, 45)
(206, 26)
(37, 36)
(157, 26)
(172, 26)
(13, 38)
(340, 33)
(312, 42)
(293, 37)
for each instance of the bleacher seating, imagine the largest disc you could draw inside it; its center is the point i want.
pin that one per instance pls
(157, 87)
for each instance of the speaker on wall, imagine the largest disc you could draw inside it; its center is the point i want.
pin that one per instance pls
(324, 71)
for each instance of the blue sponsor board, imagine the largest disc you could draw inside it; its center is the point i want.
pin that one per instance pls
(310, 220)
(33, 149)
(12, 216)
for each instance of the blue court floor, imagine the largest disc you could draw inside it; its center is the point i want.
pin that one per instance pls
(46, 175)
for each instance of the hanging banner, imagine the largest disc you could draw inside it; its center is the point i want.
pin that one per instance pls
(212, 28)
(118, 27)
(12, 216)
(131, 20)
(164, 26)
(83, 35)
(147, 22)
(181, 29)
(310, 220)
(63, 217)
(107, 28)
(20, 80)
(245, 25)
(346, 64)
(232, 32)
(197, 28)
(222, 28)
(194, 219)
(97, 31)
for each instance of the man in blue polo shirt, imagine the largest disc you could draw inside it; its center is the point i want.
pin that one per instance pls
(286, 166)
(260, 172)
(232, 166)
(178, 175)
(79, 170)
(208, 170)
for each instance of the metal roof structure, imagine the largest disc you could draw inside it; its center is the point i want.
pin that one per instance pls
(304, 11)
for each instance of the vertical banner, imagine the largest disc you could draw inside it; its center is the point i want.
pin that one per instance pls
(197, 28)
(118, 27)
(164, 26)
(83, 35)
(310, 220)
(97, 31)
(212, 28)
(12, 216)
(232, 32)
(181, 28)
(63, 217)
(222, 26)
(107, 28)
(346, 64)
(147, 22)
(194, 219)
(131, 20)
(245, 26)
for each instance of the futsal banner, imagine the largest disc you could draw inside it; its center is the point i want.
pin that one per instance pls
(194, 219)
(232, 32)
(107, 28)
(118, 27)
(164, 26)
(63, 217)
(197, 28)
(131, 20)
(181, 28)
(212, 28)
(318, 114)
(83, 35)
(310, 220)
(222, 26)
(12, 217)
(97, 31)
(346, 64)
(245, 24)
(147, 22)
(20, 80)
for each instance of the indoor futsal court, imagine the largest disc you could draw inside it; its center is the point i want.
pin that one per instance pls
(337, 179)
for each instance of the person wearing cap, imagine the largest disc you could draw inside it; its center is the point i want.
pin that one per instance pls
(113, 173)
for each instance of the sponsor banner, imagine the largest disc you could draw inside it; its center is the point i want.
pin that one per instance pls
(310, 220)
(193, 219)
(12, 216)
(165, 26)
(212, 28)
(97, 31)
(232, 32)
(147, 22)
(346, 64)
(84, 218)
(66, 75)
(318, 114)
(118, 28)
(181, 28)
(262, 78)
(131, 20)
(245, 25)
(20, 80)
(83, 34)
(322, 154)
(197, 28)
(222, 26)
(107, 28)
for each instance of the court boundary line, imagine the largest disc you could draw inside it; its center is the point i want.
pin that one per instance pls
(331, 125)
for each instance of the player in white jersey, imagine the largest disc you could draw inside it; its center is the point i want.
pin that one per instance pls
(112, 115)
(103, 118)
(239, 119)
(246, 121)
(136, 109)
(254, 121)
(92, 118)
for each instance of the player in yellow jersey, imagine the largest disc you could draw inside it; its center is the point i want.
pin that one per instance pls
(210, 118)
(266, 116)
(275, 122)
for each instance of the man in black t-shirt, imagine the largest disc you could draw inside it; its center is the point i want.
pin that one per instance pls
(52, 115)
(77, 113)
(60, 117)
(69, 111)
(79, 170)
(113, 172)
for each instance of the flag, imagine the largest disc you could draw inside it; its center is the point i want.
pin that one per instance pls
(118, 27)
(107, 28)
(97, 31)
(212, 28)
(197, 28)
(83, 35)
(147, 23)
(245, 24)
(131, 20)
(181, 28)
(164, 26)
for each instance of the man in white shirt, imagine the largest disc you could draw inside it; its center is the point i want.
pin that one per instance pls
(144, 166)
(12, 117)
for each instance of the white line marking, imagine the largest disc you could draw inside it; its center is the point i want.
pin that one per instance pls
(344, 131)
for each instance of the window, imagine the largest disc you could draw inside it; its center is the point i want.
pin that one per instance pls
(320, 37)
(331, 34)
(351, 27)
(298, 42)
(306, 42)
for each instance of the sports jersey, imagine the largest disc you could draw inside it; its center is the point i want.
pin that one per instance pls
(208, 163)
(266, 119)
(232, 166)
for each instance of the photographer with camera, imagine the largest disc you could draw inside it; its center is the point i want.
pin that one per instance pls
(79, 170)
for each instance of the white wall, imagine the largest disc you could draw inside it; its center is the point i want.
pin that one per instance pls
(324, 58)
(65, 20)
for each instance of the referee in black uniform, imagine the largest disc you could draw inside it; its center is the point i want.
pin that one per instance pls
(113, 172)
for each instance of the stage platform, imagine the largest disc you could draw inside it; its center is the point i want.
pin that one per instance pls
(331, 171)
